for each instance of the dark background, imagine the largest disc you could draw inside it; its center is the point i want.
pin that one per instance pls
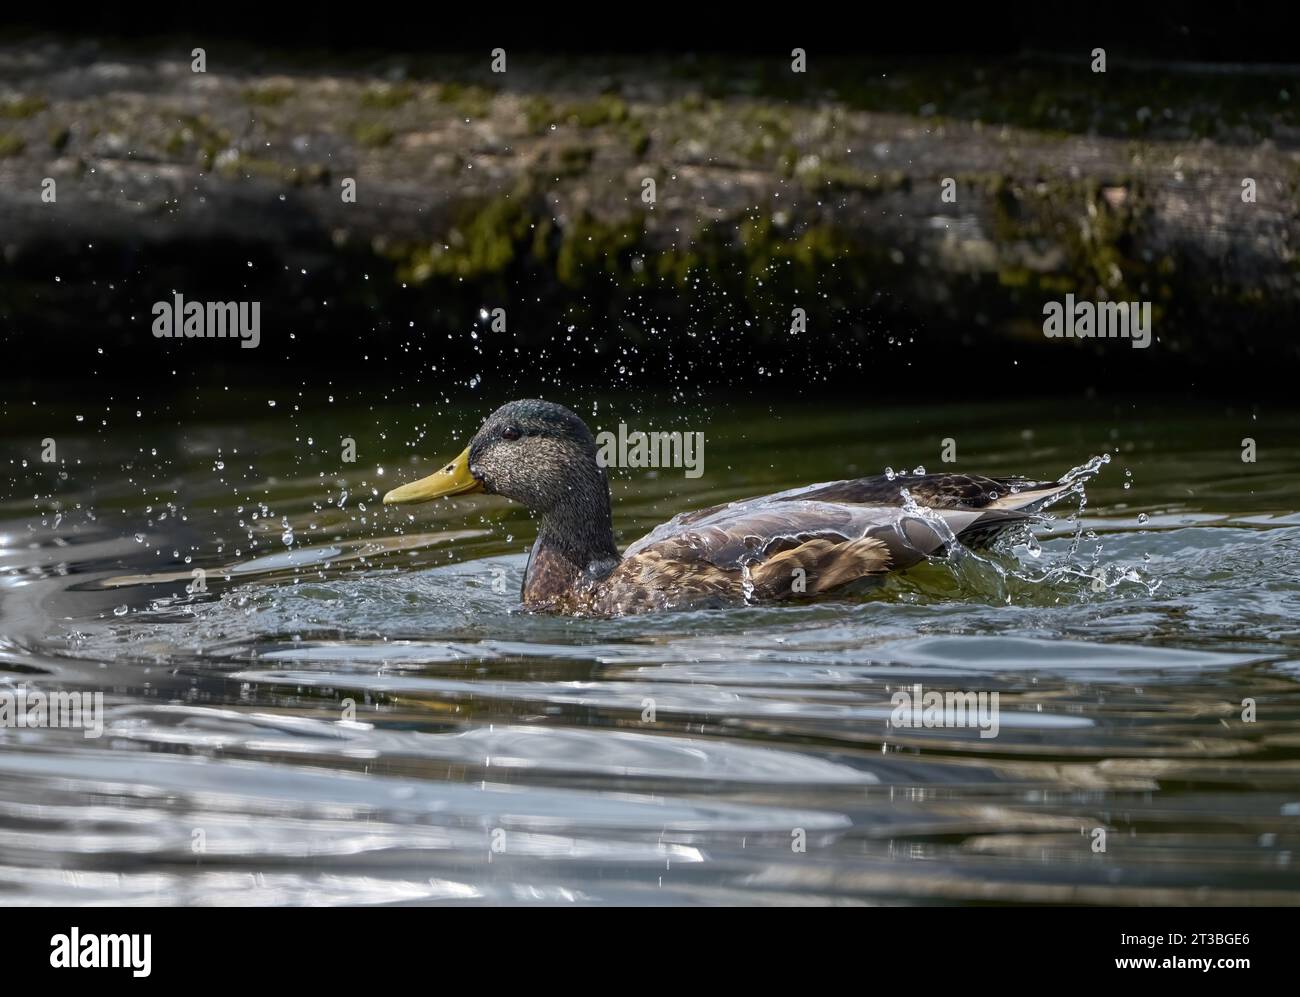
(1240, 342)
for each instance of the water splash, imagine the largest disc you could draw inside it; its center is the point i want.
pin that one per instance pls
(999, 574)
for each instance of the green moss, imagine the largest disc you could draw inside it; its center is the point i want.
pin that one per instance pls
(23, 107)
(514, 232)
(503, 235)
(759, 149)
(767, 119)
(601, 112)
(800, 259)
(269, 169)
(539, 114)
(467, 99)
(786, 162)
(241, 166)
(11, 144)
(196, 135)
(605, 112)
(268, 95)
(1097, 224)
(311, 175)
(482, 242)
(589, 247)
(568, 160)
(387, 97)
(638, 138)
(373, 134)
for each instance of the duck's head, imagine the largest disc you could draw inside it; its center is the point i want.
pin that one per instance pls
(538, 453)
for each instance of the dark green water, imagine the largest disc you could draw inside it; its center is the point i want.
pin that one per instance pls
(737, 756)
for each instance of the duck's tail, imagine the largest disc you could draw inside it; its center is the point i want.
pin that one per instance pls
(1022, 495)
(1022, 503)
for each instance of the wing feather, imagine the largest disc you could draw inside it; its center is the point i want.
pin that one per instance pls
(834, 533)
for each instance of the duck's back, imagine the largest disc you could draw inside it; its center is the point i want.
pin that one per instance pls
(811, 540)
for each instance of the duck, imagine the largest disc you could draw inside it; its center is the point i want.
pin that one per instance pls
(793, 545)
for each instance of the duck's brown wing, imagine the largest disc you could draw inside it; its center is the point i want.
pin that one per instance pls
(683, 571)
(781, 547)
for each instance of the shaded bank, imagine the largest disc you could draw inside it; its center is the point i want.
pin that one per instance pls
(774, 191)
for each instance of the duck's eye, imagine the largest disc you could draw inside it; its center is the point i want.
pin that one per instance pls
(510, 433)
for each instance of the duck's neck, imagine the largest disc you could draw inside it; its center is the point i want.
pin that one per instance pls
(575, 547)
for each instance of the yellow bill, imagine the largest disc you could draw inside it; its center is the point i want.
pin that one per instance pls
(454, 479)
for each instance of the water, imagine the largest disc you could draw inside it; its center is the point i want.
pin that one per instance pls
(347, 706)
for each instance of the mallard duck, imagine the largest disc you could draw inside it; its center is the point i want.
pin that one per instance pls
(793, 544)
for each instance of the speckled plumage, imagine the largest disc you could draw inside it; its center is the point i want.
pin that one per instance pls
(794, 544)
(835, 534)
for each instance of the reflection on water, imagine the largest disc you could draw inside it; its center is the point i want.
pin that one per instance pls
(345, 704)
